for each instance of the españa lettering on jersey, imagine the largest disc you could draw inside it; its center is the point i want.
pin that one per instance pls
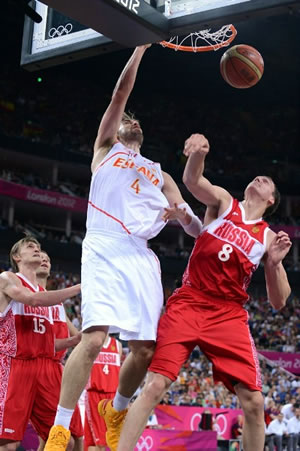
(235, 235)
(129, 164)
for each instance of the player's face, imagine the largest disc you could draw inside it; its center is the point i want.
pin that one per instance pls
(45, 266)
(263, 186)
(130, 131)
(30, 252)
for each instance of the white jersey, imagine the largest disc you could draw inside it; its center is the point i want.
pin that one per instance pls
(125, 195)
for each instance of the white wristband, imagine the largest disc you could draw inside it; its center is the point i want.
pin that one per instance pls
(195, 226)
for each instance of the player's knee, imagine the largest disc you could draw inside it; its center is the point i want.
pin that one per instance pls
(92, 344)
(254, 406)
(156, 387)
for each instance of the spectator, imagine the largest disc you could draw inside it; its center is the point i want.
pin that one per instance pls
(275, 432)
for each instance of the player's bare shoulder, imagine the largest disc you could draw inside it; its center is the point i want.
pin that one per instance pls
(7, 279)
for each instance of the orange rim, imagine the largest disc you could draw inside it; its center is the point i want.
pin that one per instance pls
(203, 48)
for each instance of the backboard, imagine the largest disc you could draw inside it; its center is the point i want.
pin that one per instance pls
(74, 29)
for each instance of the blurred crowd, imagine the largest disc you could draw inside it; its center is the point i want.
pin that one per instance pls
(63, 115)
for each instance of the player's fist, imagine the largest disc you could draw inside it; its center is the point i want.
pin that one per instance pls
(279, 247)
(196, 143)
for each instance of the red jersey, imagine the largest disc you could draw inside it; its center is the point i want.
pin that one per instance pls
(226, 254)
(105, 372)
(60, 327)
(26, 332)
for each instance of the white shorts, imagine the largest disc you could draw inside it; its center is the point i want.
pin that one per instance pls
(120, 285)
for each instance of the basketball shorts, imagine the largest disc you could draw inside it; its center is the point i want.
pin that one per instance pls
(219, 328)
(26, 396)
(49, 387)
(94, 425)
(121, 285)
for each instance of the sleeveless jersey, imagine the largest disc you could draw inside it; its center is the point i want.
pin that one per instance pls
(226, 254)
(26, 332)
(104, 376)
(60, 327)
(125, 195)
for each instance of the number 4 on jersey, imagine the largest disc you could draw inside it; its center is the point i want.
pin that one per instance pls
(105, 369)
(136, 186)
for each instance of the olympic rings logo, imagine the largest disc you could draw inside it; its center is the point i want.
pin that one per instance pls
(220, 426)
(145, 443)
(60, 30)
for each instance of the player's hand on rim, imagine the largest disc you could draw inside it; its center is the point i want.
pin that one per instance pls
(196, 143)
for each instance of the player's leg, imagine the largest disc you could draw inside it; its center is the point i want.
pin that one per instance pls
(134, 368)
(175, 341)
(74, 380)
(254, 426)
(78, 443)
(138, 414)
(78, 366)
(226, 340)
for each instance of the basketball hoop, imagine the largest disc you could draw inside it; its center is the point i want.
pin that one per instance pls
(202, 41)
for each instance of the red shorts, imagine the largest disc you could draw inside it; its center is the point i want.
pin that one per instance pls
(30, 390)
(221, 331)
(94, 425)
(51, 383)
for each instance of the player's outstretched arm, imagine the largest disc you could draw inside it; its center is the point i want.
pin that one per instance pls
(277, 284)
(109, 125)
(179, 209)
(11, 286)
(196, 148)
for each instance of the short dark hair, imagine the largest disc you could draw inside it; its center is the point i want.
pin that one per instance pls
(16, 249)
(272, 208)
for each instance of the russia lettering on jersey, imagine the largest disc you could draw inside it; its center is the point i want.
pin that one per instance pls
(126, 195)
(105, 372)
(226, 254)
(26, 331)
(60, 328)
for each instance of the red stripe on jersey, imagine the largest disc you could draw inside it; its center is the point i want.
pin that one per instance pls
(105, 161)
(110, 216)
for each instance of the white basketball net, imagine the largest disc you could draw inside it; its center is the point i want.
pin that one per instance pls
(198, 41)
(216, 40)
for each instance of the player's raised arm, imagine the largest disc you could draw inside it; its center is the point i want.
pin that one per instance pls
(196, 148)
(278, 287)
(13, 289)
(109, 125)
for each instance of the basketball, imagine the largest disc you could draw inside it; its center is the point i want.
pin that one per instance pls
(242, 66)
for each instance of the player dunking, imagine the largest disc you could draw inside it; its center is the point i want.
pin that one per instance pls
(26, 341)
(121, 282)
(66, 335)
(208, 309)
(102, 384)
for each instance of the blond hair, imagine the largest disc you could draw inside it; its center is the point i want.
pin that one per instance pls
(16, 249)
